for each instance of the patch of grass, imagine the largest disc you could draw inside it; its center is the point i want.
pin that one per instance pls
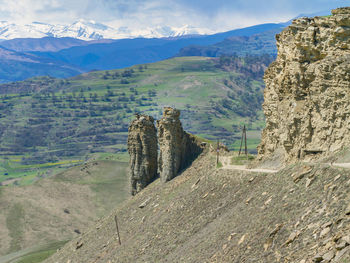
(219, 165)
(242, 159)
(42, 253)
(107, 178)
(120, 157)
(37, 257)
(14, 223)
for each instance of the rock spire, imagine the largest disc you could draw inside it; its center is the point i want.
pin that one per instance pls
(142, 147)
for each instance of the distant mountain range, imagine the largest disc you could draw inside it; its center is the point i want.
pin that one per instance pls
(64, 51)
(91, 30)
(127, 52)
(64, 57)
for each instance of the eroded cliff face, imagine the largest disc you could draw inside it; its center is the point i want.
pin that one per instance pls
(307, 94)
(142, 147)
(177, 147)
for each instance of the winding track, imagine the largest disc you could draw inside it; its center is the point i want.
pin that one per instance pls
(226, 164)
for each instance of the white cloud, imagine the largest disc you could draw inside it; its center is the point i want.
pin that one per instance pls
(217, 15)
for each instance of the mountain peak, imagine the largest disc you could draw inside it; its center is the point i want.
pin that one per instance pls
(91, 30)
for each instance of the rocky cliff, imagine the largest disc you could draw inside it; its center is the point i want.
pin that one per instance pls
(142, 147)
(307, 95)
(177, 147)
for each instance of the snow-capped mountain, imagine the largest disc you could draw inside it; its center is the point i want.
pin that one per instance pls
(91, 30)
(166, 31)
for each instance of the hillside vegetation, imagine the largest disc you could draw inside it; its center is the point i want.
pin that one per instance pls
(258, 44)
(39, 218)
(49, 124)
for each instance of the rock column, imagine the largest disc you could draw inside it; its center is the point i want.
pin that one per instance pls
(177, 148)
(142, 147)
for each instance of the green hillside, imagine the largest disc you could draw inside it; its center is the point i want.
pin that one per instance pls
(49, 124)
(39, 218)
(258, 44)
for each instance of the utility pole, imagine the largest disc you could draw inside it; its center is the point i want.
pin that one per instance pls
(244, 137)
(217, 152)
(245, 141)
(116, 224)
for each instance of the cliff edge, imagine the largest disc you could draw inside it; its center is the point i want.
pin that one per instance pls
(307, 94)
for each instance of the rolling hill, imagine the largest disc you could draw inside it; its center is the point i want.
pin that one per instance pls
(65, 57)
(18, 66)
(47, 123)
(55, 209)
(257, 44)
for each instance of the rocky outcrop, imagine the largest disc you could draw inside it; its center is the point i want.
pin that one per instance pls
(307, 94)
(142, 147)
(177, 148)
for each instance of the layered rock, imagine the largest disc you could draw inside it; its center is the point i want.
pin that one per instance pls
(307, 94)
(142, 147)
(177, 148)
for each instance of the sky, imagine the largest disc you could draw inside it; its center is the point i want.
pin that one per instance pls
(217, 15)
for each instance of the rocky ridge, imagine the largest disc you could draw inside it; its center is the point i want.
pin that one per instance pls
(307, 90)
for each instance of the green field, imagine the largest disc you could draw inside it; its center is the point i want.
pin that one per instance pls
(48, 125)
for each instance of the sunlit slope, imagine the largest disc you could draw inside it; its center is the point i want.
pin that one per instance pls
(60, 207)
(46, 120)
